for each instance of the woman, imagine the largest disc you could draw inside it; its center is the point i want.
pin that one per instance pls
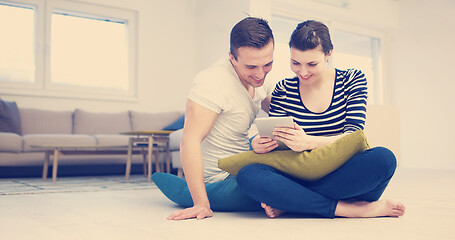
(326, 104)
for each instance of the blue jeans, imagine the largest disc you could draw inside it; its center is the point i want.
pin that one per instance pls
(364, 178)
(223, 195)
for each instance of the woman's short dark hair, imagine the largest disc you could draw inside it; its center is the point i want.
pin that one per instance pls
(310, 34)
(250, 32)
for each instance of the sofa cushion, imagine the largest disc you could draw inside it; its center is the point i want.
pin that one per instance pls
(111, 140)
(38, 121)
(10, 120)
(56, 140)
(175, 157)
(142, 121)
(92, 123)
(10, 142)
(177, 124)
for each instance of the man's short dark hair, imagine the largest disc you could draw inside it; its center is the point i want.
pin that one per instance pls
(250, 32)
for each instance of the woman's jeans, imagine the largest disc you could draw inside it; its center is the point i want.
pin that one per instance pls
(364, 178)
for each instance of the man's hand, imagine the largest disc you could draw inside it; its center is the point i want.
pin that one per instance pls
(263, 144)
(197, 211)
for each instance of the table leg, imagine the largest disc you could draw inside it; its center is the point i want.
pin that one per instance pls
(156, 155)
(128, 159)
(144, 164)
(168, 158)
(55, 165)
(150, 148)
(45, 165)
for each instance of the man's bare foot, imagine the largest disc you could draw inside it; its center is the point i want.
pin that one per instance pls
(271, 212)
(381, 208)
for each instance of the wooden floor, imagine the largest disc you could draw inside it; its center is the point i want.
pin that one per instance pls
(429, 197)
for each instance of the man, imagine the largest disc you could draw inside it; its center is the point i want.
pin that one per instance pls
(223, 102)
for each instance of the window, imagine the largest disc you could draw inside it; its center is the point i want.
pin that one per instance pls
(80, 50)
(17, 44)
(360, 51)
(353, 48)
(92, 46)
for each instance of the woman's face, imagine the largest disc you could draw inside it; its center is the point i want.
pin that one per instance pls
(309, 65)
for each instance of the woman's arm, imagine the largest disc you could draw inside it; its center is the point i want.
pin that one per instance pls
(297, 140)
(356, 104)
(278, 97)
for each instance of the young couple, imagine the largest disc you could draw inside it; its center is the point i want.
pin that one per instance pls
(325, 103)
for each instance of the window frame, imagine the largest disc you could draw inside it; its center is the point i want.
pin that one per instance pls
(378, 69)
(43, 85)
(21, 87)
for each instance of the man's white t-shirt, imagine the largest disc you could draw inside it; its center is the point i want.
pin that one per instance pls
(219, 89)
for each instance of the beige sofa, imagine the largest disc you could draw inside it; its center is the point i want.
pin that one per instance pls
(48, 127)
(382, 128)
(78, 127)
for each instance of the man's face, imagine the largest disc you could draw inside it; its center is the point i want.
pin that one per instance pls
(253, 64)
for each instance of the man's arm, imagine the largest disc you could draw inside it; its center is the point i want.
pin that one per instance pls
(198, 123)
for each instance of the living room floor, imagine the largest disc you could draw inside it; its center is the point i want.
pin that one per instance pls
(140, 213)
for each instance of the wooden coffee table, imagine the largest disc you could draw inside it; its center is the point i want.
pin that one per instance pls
(148, 139)
(57, 150)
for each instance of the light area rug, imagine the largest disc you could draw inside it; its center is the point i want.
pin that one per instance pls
(73, 184)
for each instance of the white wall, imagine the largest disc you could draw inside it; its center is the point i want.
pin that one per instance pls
(214, 21)
(378, 14)
(422, 82)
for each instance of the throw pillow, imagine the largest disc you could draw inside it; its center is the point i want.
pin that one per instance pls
(224, 195)
(309, 165)
(176, 125)
(10, 120)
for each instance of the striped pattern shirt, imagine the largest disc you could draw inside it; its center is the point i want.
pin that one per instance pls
(346, 113)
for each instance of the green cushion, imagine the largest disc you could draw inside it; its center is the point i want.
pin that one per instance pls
(309, 165)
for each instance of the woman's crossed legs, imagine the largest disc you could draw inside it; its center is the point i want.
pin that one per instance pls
(352, 190)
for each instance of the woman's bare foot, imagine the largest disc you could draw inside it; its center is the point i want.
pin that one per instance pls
(381, 208)
(271, 212)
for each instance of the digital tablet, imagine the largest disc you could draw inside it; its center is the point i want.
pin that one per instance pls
(267, 125)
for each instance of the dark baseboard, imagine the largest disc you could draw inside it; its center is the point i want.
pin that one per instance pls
(71, 170)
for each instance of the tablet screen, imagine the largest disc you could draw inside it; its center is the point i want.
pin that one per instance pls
(267, 125)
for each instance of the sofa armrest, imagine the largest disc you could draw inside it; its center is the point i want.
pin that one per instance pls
(10, 142)
(174, 140)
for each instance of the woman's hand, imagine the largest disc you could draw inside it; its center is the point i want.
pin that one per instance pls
(197, 211)
(263, 144)
(295, 138)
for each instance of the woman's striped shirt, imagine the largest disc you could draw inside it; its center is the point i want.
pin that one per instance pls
(346, 113)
